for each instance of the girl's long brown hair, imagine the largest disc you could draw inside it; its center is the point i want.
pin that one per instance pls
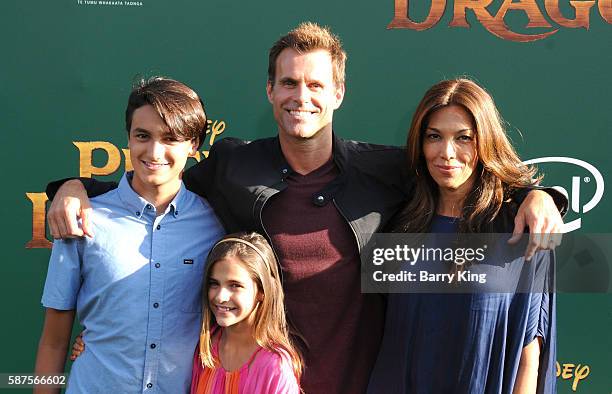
(500, 168)
(270, 328)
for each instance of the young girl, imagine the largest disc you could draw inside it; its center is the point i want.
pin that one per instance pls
(244, 345)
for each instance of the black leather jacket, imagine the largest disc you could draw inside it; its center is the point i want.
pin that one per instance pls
(239, 177)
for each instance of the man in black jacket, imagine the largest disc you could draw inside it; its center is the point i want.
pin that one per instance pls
(317, 198)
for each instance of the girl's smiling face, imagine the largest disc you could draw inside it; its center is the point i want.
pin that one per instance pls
(233, 295)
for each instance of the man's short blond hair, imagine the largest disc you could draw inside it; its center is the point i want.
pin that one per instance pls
(309, 36)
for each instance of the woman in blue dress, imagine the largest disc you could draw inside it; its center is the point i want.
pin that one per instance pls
(483, 341)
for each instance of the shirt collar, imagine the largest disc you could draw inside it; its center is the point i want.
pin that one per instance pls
(339, 156)
(138, 205)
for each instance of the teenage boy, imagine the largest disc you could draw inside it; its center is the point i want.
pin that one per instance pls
(136, 285)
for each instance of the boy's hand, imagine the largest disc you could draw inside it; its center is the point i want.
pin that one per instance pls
(70, 204)
(539, 212)
(78, 347)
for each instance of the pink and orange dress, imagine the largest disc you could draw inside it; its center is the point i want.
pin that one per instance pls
(265, 372)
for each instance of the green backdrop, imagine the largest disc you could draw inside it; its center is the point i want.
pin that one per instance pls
(67, 68)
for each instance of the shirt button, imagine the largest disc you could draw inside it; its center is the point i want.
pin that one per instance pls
(153, 346)
(159, 226)
(320, 199)
(156, 305)
(176, 213)
(137, 213)
(149, 385)
(285, 171)
(149, 206)
(157, 265)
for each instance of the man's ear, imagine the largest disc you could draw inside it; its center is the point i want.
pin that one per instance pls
(340, 89)
(269, 89)
(194, 146)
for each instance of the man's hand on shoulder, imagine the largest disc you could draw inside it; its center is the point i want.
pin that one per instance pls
(539, 212)
(70, 204)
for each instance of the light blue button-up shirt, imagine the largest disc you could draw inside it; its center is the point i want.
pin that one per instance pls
(136, 287)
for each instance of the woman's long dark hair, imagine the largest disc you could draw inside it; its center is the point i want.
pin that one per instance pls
(500, 170)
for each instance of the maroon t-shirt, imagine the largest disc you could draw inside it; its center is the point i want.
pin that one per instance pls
(319, 257)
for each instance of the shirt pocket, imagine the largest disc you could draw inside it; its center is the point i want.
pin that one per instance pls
(184, 284)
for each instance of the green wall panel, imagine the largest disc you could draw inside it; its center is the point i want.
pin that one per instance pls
(67, 68)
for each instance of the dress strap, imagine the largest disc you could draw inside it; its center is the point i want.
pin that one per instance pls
(252, 358)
